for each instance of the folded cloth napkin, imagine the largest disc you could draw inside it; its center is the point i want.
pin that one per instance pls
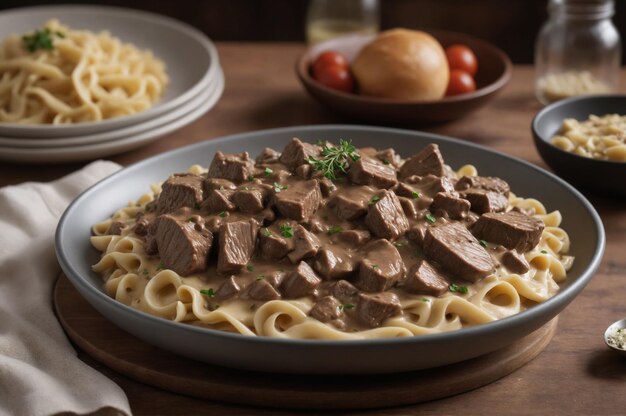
(39, 371)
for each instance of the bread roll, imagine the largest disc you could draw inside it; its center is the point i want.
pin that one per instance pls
(402, 64)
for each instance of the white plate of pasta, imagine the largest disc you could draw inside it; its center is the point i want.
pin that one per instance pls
(75, 70)
(279, 345)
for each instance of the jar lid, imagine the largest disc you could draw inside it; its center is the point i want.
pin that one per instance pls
(583, 9)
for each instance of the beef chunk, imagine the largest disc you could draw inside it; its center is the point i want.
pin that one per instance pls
(423, 278)
(327, 309)
(352, 203)
(143, 224)
(274, 246)
(428, 161)
(262, 290)
(219, 201)
(408, 207)
(228, 289)
(248, 201)
(373, 309)
(486, 201)
(344, 291)
(300, 200)
(116, 228)
(486, 183)
(431, 185)
(407, 190)
(181, 247)
(268, 155)
(385, 217)
(234, 167)
(389, 157)
(326, 186)
(297, 153)
(515, 262)
(416, 234)
(274, 277)
(457, 251)
(302, 281)
(380, 268)
(512, 229)
(304, 171)
(306, 244)
(367, 171)
(354, 238)
(217, 184)
(456, 207)
(181, 190)
(333, 264)
(236, 245)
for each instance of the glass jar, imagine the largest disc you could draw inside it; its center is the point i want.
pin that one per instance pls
(327, 19)
(578, 50)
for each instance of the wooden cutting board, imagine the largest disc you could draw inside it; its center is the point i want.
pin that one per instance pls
(132, 357)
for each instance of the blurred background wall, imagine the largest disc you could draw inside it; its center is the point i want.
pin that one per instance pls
(510, 24)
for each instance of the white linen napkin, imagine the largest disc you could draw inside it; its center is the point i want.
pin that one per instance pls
(39, 371)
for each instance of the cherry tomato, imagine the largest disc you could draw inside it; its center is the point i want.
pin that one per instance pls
(328, 59)
(336, 78)
(461, 57)
(460, 83)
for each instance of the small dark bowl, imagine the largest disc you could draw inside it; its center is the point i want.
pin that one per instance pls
(602, 176)
(494, 71)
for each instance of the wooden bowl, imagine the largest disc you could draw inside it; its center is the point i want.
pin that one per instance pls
(600, 176)
(494, 71)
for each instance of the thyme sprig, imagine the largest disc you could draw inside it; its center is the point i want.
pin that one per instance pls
(335, 158)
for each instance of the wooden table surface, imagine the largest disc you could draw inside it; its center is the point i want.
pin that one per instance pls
(576, 374)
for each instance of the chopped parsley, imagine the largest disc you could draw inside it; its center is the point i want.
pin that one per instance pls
(397, 244)
(544, 251)
(260, 277)
(335, 158)
(374, 200)
(385, 162)
(483, 243)
(250, 267)
(375, 266)
(334, 230)
(209, 292)
(286, 230)
(430, 219)
(252, 307)
(347, 306)
(425, 300)
(40, 39)
(266, 232)
(456, 288)
(222, 187)
(146, 272)
(268, 171)
(415, 195)
(222, 214)
(250, 178)
(278, 187)
(190, 219)
(160, 266)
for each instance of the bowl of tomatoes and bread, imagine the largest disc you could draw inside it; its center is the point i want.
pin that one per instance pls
(404, 76)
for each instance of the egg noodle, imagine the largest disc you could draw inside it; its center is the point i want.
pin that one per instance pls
(59, 76)
(138, 280)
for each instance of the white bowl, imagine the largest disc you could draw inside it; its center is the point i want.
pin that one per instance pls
(200, 105)
(190, 57)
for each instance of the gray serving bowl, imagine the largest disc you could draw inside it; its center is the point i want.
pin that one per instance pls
(602, 176)
(324, 356)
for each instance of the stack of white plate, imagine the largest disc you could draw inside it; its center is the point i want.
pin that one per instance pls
(196, 84)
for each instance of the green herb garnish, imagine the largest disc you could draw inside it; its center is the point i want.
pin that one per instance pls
(415, 195)
(429, 218)
(347, 306)
(320, 142)
(385, 162)
(250, 267)
(146, 272)
(374, 200)
(160, 266)
(483, 243)
(456, 288)
(268, 171)
(209, 292)
(397, 244)
(286, 230)
(544, 251)
(425, 300)
(190, 219)
(335, 158)
(334, 230)
(222, 214)
(250, 178)
(40, 39)
(252, 307)
(375, 266)
(266, 232)
(278, 187)
(260, 277)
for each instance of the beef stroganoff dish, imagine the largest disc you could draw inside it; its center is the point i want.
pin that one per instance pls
(327, 241)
